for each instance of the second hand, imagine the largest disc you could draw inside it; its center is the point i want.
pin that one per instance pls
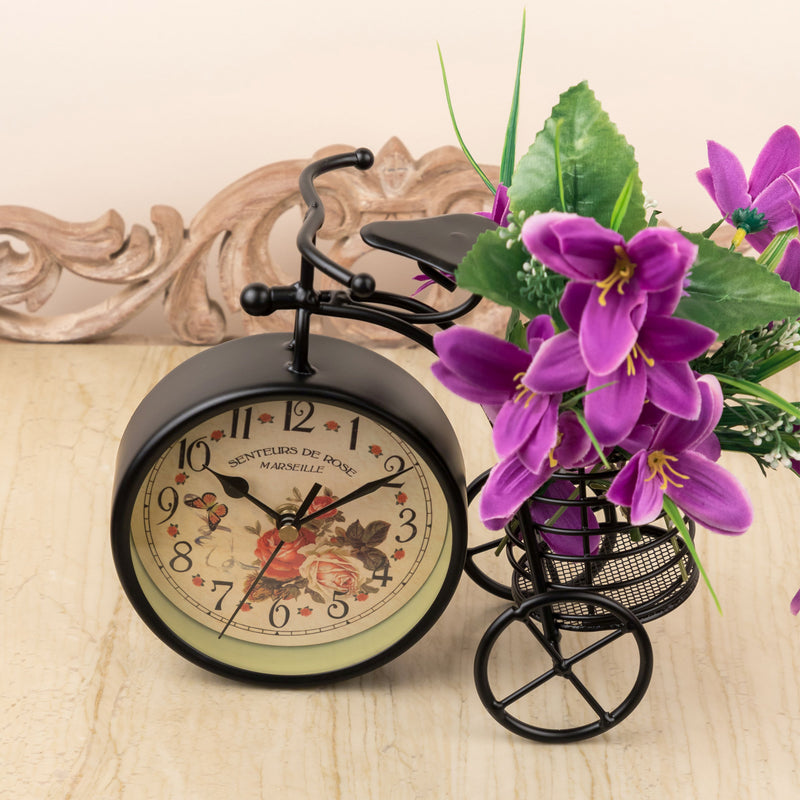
(290, 531)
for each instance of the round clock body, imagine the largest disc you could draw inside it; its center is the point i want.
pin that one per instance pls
(214, 472)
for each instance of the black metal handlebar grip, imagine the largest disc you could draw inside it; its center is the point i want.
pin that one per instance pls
(361, 285)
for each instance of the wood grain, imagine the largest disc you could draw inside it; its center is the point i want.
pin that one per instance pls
(94, 706)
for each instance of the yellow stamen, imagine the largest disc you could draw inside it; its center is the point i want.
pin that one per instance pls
(553, 461)
(523, 390)
(620, 275)
(738, 237)
(658, 461)
(637, 351)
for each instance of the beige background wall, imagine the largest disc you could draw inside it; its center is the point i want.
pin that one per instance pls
(129, 104)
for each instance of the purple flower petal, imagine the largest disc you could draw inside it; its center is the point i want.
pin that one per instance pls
(557, 366)
(663, 304)
(674, 339)
(774, 202)
(574, 445)
(516, 422)
(730, 183)
(675, 434)
(794, 606)
(612, 412)
(573, 302)
(578, 247)
(486, 395)
(709, 447)
(789, 268)
(624, 485)
(662, 258)
(569, 519)
(780, 154)
(710, 495)
(539, 329)
(608, 332)
(672, 387)
(707, 182)
(534, 452)
(500, 207)
(636, 488)
(479, 359)
(509, 485)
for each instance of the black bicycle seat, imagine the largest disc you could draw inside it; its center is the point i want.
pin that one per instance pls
(437, 244)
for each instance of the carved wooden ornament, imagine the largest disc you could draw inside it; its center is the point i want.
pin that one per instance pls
(231, 234)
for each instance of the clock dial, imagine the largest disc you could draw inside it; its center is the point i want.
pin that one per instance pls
(240, 568)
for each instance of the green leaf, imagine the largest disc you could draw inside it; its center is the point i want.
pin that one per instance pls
(595, 163)
(731, 293)
(490, 269)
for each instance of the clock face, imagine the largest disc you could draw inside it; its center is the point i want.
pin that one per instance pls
(242, 549)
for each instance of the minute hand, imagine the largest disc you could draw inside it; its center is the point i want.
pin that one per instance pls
(362, 491)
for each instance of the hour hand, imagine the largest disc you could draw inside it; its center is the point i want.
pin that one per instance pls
(235, 487)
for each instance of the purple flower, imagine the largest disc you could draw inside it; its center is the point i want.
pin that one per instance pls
(655, 369)
(789, 268)
(622, 277)
(674, 464)
(511, 482)
(758, 207)
(500, 207)
(498, 214)
(569, 519)
(794, 606)
(482, 368)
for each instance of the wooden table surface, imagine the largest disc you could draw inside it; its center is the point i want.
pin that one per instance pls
(94, 706)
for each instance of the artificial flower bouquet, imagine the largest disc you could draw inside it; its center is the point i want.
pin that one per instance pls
(628, 342)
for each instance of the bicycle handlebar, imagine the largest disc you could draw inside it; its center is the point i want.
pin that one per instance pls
(361, 285)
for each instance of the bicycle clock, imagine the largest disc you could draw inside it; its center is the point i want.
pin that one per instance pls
(294, 511)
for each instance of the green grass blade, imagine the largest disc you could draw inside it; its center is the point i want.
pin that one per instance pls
(677, 518)
(623, 201)
(756, 390)
(507, 162)
(464, 149)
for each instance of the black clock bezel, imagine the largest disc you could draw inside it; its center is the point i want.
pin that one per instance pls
(255, 368)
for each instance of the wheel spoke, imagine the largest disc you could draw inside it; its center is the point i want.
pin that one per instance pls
(526, 689)
(594, 647)
(482, 548)
(550, 646)
(604, 717)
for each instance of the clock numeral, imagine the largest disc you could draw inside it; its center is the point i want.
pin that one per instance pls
(245, 432)
(408, 524)
(304, 409)
(401, 466)
(338, 609)
(278, 614)
(354, 432)
(169, 505)
(229, 584)
(182, 550)
(382, 575)
(196, 455)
